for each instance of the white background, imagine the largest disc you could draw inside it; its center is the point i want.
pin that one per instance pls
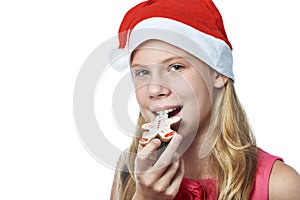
(43, 45)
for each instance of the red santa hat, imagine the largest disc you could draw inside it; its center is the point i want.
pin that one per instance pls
(195, 26)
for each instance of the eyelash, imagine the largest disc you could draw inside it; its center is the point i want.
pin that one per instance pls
(176, 65)
(145, 72)
(174, 68)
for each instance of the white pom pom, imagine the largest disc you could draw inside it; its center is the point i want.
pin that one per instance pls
(119, 59)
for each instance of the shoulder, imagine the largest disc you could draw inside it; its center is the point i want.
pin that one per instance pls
(284, 182)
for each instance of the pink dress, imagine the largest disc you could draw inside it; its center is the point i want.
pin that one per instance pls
(206, 189)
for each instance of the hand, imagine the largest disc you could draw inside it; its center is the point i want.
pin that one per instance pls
(161, 179)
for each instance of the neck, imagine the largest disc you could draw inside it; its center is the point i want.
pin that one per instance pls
(197, 158)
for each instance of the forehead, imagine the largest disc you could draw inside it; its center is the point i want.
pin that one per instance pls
(155, 49)
(160, 46)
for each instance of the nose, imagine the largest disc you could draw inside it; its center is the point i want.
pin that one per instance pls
(158, 90)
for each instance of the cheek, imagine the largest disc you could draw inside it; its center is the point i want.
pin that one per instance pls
(192, 86)
(140, 95)
(197, 97)
(142, 100)
(204, 98)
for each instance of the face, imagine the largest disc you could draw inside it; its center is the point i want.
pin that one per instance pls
(169, 79)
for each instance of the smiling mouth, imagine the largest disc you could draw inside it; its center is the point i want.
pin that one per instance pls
(171, 112)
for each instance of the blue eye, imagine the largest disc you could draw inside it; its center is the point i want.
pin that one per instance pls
(142, 72)
(176, 67)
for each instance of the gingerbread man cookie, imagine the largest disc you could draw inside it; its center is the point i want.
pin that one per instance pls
(159, 127)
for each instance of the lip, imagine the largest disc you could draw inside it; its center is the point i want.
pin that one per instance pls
(159, 108)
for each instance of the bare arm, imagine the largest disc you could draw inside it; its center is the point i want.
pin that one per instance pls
(284, 183)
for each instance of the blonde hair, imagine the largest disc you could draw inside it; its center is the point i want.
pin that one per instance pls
(234, 154)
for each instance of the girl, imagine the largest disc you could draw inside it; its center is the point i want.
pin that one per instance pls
(181, 64)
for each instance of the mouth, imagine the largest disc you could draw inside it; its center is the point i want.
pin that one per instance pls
(172, 111)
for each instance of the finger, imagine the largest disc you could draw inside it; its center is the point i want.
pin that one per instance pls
(165, 180)
(144, 152)
(150, 147)
(176, 182)
(159, 184)
(168, 155)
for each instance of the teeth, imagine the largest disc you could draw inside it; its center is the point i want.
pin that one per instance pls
(166, 111)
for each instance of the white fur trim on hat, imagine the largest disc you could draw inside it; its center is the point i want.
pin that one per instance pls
(213, 51)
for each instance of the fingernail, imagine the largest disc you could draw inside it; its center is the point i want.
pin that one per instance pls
(156, 141)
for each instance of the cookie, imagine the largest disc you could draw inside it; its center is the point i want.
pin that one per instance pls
(160, 127)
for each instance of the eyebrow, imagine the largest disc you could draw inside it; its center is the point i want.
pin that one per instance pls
(166, 60)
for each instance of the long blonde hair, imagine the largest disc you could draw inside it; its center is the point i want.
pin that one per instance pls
(234, 154)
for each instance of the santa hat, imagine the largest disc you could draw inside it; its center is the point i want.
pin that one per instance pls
(195, 26)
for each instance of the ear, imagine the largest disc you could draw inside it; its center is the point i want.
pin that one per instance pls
(220, 80)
